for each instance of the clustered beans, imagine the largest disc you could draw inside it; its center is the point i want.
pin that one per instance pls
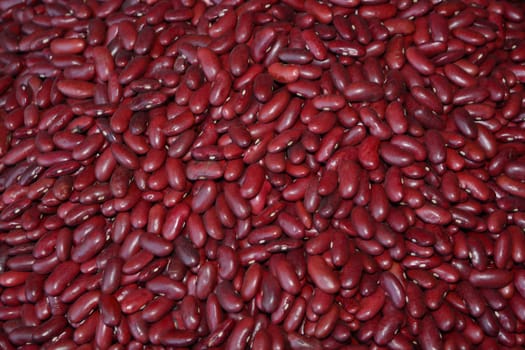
(262, 174)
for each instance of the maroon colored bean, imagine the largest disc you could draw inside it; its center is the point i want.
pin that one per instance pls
(228, 297)
(155, 244)
(227, 263)
(430, 336)
(109, 310)
(76, 89)
(393, 287)
(138, 327)
(324, 278)
(363, 91)
(157, 309)
(370, 305)
(89, 247)
(285, 274)
(60, 277)
(418, 60)
(235, 201)
(83, 305)
(111, 275)
(490, 278)
(290, 225)
(240, 334)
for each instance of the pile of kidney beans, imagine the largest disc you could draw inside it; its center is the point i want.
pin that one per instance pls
(262, 174)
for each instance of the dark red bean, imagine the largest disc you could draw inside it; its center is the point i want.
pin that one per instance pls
(370, 305)
(228, 298)
(363, 91)
(324, 278)
(430, 336)
(76, 89)
(490, 278)
(251, 282)
(109, 310)
(60, 277)
(235, 201)
(291, 226)
(240, 334)
(83, 305)
(393, 287)
(111, 275)
(285, 274)
(156, 309)
(271, 293)
(155, 244)
(418, 60)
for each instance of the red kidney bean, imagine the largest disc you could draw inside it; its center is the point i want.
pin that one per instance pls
(285, 274)
(136, 299)
(490, 278)
(130, 244)
(178, 338)
(394, 288)
(427, 98)
(415, 301)
(270, 293)
(434, 296)
(290, 225)
(474, 301)
(324, 278)
(240, 334)
(219, 332)
(137, 327)
(228, 297)
(251, 282)
(238, 59)
(78, 287)
(206, 280)
(157, 309)
(60, 277)
(235, 201)
(418, 60)
(387, 327)
(111, 275)
(327, 323)
(83, 305)
(284, 73)
(155, 244)
(363, 91)
(430, 337)
(76, 89)
(89, 247)
(136, 262)
(175, 219)
(109, 310)
(370, 305)
(395, 155)
(212, 224)
(172, 289)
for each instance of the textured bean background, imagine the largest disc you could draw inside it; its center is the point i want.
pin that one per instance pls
(262, 174)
